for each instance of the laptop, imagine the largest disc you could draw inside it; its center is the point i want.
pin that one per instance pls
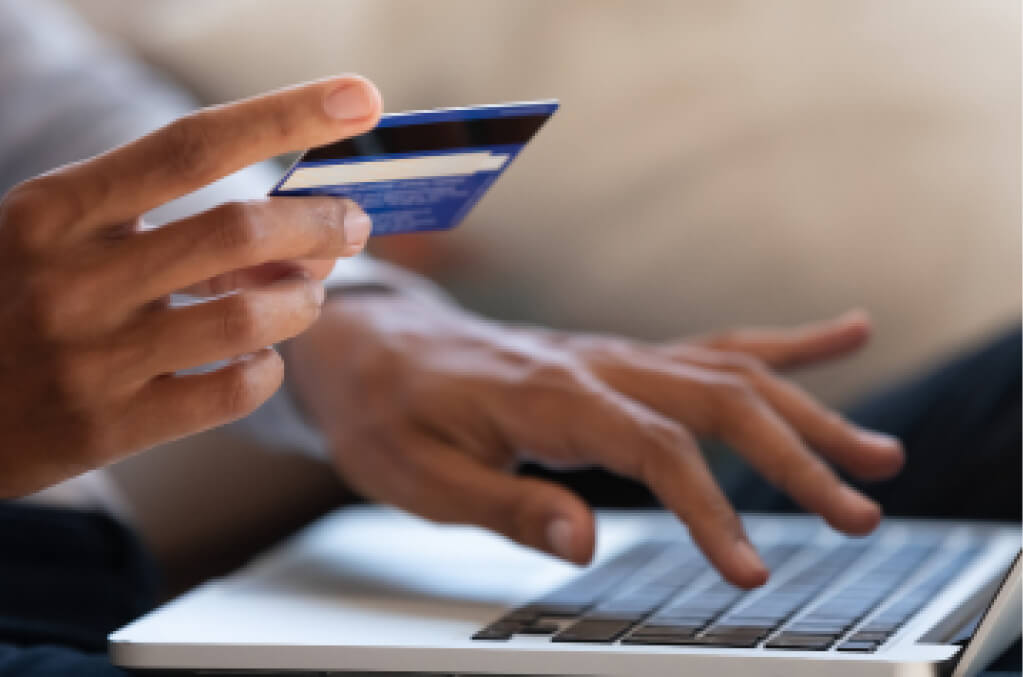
(373, 590)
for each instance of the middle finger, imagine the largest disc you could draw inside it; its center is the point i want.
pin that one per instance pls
(864, 453)
(175, 339)
(233, 237)
(727, 407)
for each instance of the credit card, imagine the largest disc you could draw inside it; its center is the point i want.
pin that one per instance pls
(420, 170)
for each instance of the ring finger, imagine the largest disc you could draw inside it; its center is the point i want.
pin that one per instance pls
(180, 338)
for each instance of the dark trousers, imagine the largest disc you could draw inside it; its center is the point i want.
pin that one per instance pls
(960, 425)
(69, 578)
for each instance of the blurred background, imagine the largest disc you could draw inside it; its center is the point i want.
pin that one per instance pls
(714, 163)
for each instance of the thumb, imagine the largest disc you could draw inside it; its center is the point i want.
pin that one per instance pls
(452, 486)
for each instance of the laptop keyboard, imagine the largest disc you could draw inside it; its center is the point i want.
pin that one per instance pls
(665, 594)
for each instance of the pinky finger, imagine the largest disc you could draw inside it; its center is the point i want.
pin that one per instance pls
(797, 346)
(260, 276)
(177, 405)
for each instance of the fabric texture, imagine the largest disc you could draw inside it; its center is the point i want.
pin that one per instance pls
(67, 579)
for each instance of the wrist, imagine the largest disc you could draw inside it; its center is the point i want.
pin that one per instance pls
(327, 365)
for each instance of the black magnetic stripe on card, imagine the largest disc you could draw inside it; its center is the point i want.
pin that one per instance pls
(432, 136)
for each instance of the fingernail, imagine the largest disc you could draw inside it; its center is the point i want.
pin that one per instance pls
(879, 439)
(319, 293)
(750, 559)
(559, 537)
(350, 101)
(357, 227)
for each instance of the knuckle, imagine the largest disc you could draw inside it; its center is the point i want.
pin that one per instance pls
(548, 375)
(605, 352)
(744, 363)
(733, 391)
(284, 124)
(732, 401)
(27, 216)
(241, 319)
(239, 227)
(329, 217)
(134, 356)
(21, 203)
(544, 385)
(309, 309)
(189, 148)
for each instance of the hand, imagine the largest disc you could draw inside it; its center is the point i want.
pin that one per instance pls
(90, 348)
(430, 408)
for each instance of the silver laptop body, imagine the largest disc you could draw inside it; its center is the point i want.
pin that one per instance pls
(374, 590)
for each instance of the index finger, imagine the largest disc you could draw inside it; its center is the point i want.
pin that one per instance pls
(596, 424)
(213, 142)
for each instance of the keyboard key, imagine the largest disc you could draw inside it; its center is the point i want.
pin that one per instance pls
(792, 640)
(869, 636)
(743, 630)
(636, 591)
(667, 629)
(593, 631)
(807, 628)
(669, 618)
(883, 626)
(845, 607)
(751, 621)
(539, 629)
(657, 640)
(497, 631)
(634, 617)
(660, 635)
(722, 641)
(626, 608)
(583, 592)
(911, 601)
(556, 610)
(520, 616)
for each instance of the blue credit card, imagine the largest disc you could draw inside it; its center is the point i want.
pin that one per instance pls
(421, 170)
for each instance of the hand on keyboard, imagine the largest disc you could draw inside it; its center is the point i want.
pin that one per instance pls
(429, 407)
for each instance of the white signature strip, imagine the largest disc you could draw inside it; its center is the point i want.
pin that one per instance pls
(393, 170)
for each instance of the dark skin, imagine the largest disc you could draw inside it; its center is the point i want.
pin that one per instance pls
(90, 348)
(425, 406)
(429, 407)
